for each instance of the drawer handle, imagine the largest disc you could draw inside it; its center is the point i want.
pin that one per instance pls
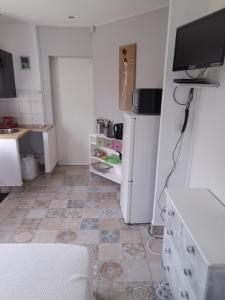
(168, 250)
(166, 268)
(184, 295)
(190, 249)
(187, 272)
(169, 232)
(171, 213)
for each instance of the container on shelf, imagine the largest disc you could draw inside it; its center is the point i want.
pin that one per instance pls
(100, 142)
(100, 125)
(108, 143)
(117, 146)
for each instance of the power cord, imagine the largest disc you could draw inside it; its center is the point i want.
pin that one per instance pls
(198, 76)
(150, 248)
(177, 149)
(175, 157)
(153, 237)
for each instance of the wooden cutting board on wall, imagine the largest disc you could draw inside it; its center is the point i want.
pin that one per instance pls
(127, 75)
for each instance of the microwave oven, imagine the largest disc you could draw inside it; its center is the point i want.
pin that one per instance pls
(147, 101)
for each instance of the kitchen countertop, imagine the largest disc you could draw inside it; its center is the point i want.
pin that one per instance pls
(37, 128)
(24, 130)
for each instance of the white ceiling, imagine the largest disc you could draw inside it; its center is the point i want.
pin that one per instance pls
(86, 12)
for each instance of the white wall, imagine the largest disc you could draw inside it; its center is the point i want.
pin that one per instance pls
(181, 12)
(149, 32)
(208, 164)
(64, 42)
(21, 40)
(27, 107)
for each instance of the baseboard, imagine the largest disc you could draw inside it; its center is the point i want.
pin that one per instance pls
(11, 189)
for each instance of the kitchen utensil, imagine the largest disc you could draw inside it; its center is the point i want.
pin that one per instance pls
(108, 131)
(100, 125)
(118, 131)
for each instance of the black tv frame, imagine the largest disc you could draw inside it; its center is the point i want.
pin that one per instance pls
(211, 65)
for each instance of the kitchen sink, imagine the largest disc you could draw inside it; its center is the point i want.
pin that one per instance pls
(8, 131)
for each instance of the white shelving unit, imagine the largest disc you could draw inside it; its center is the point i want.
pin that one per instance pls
(114, 173)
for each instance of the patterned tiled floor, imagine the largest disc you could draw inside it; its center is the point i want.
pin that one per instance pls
(73, 206)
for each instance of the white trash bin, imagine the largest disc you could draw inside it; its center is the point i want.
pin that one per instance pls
(29, 167)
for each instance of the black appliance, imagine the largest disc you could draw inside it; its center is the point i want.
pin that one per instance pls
(7, 79)
(118, 131)
(147, 101)
(201, 44)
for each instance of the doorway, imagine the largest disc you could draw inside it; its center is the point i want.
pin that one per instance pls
(72, 93)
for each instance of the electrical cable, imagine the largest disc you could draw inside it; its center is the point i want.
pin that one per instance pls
(150, 249)
(177, 101)
(175, 160)
(198, 76)
(175, 157)
(177, 149)
(157, 237)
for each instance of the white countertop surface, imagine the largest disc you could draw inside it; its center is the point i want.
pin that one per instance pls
(204, 217)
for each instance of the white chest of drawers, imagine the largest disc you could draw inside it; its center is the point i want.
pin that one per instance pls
(194, 244)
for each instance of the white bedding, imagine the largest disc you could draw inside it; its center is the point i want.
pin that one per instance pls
(45, 272)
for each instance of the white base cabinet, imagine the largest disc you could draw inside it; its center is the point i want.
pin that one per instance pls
(10, 169)
(194, 244)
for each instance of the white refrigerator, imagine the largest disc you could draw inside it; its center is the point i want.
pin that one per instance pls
(140, 141)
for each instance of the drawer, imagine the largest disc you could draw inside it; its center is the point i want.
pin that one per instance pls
(180, 287)
(171, 233)
(168, 266)
(193, 257)
(188, 273)
(100, 142)
(185, 268)
(172, 220)
(184, 289)
(108, 143)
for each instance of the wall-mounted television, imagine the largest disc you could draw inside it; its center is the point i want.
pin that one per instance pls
(200, 44)
(7, 79)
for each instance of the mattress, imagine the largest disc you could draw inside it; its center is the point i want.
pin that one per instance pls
(45, 272)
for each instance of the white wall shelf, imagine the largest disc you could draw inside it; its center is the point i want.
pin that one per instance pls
(197, 85)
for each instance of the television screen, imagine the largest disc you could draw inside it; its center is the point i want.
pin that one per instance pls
(200, 44)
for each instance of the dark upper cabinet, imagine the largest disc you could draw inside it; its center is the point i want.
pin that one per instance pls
(7, 79)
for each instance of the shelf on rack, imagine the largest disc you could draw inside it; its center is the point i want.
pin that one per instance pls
(94, 136)
(105, 162)
(109, 175)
